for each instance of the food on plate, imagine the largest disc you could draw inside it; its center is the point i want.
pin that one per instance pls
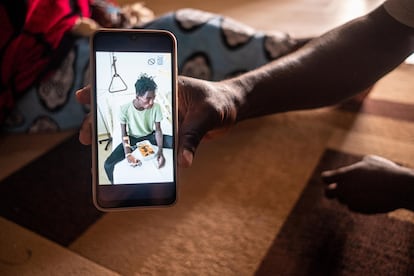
(145, 149)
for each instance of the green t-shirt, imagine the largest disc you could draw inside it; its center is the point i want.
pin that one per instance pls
(140, 123)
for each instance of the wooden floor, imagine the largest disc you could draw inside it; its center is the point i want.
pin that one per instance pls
(170, 242)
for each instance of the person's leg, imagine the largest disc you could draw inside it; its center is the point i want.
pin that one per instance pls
(215, 47)
(167, 142)
(49, 105)
(116, 156)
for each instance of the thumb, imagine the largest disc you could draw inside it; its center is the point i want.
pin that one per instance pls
(189, 141)
(337, 175)
(331, 176)
(83, 95)
(185, 158)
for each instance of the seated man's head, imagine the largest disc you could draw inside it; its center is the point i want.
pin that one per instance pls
(145, 88)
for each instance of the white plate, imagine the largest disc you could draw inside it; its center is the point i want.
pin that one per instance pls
(145, 150)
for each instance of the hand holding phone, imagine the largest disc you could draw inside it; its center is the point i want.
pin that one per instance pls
(134, 106)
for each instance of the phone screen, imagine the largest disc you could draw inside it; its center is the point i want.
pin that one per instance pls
(134, 105)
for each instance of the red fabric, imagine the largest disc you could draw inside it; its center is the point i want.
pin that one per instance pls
(7, 27)
(31, 47)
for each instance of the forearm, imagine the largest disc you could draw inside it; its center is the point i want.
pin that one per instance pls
(159, 140)
(329, 69)
(126, 143)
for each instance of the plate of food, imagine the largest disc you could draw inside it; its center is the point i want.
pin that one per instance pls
(145, 150)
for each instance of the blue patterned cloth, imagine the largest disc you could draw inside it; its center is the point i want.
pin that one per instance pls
(210, 47)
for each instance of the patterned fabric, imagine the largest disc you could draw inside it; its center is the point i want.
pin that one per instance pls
(34, 39)
(50, 104)
(210, 47)
(214, 47)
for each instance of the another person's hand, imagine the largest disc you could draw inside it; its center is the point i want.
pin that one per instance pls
(372, 185)
(205, 109)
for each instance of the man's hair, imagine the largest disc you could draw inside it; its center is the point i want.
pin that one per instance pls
(144, 84)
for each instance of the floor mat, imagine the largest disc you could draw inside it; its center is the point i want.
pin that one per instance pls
(52, 195)
(321, 237)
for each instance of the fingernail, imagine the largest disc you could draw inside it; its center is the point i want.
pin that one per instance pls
(331, 190)
(188, 157)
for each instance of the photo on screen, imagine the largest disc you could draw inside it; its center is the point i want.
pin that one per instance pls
(121, 80)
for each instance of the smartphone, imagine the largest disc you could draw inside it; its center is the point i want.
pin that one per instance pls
(134, 106)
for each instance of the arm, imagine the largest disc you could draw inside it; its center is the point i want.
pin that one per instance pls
(159, 139)
(125, 140)
(127, 147)
(329, 69)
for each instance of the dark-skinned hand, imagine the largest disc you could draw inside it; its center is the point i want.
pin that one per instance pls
(372, 185)
(205, 109)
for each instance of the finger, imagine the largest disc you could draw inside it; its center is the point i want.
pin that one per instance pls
(339, 174)
(196, 116)
(375, 159)
(331, 190)
(330, 176)
(185, 158)
(189, 141)
(83, 95)
(192, 131)
(85, 133)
